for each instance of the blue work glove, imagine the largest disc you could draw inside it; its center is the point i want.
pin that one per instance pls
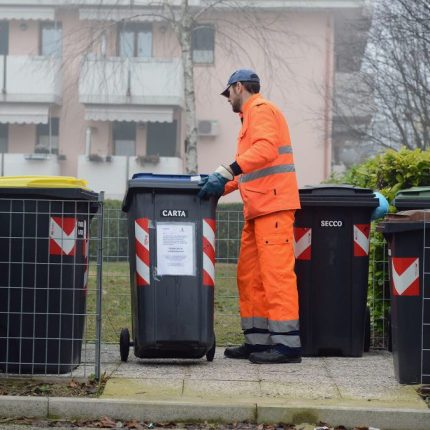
(382, 209)
(214, 184)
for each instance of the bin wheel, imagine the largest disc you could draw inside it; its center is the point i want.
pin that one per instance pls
(367, 330)
(124, 344)
(211, 353)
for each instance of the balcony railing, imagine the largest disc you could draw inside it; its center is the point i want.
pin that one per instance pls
(101, 170)
(141, 81)
(353, 95)
(29, 164)
(25, 78)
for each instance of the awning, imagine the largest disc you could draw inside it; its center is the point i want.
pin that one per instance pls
(23, 113)
(115, 14)
(129, 113)
(27, 13)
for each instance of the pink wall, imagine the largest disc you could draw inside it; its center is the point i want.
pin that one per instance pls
(22, 138)
(25, 40)
(296, 83)
(101, 134)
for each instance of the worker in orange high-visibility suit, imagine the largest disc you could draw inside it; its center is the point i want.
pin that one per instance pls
(265, 175)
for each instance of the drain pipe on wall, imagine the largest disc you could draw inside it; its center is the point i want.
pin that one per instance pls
(3, 90)
(328, 95)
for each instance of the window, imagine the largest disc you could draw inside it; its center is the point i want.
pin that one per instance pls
(47, 137)
(161, 139)
(51, 35)
(4, 137)
(124, 138)
(203, 44)
(4, 38)
(135, 40)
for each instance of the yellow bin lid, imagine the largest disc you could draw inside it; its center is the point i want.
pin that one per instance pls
(42, 182)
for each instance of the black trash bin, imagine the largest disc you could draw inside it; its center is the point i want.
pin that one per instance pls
(332, 232)
(172, 268)
(44, 232)
(408, 237)
(409, 199)
(412, 198)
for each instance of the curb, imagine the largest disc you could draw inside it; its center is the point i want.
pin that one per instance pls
(154, 411)
(23, 406)
(160, 411)
(381, 418)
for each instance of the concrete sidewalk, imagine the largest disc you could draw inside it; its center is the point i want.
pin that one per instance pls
(340, 391)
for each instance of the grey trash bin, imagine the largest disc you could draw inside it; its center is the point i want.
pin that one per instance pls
(172, 268)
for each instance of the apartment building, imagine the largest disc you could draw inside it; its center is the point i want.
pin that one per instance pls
(94, 89)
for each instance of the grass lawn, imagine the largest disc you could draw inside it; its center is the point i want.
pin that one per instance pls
(116, 308)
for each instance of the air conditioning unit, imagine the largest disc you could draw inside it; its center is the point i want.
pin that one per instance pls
(207, 128)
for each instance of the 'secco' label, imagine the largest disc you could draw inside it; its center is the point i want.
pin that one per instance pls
(331, 223)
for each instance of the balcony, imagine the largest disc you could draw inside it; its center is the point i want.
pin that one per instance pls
(30, 79)
(131, 81)
(99, 173)
(29, 164)
(353, 96)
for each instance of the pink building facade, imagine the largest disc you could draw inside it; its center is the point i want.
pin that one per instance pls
(97, 92)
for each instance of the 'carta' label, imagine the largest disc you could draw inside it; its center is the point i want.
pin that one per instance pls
(174, 213)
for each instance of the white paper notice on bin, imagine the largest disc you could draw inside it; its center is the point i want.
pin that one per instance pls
(175, 249)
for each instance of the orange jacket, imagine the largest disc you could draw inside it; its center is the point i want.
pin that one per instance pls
(268, 181)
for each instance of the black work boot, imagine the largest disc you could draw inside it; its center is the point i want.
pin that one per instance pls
(239, 352)
(273, 356)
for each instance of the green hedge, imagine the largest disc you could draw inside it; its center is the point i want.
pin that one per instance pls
(391, 171)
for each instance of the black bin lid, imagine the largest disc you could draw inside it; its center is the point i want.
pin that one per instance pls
(415, 197)
(144, 182)
(405, 221)
(337, 195)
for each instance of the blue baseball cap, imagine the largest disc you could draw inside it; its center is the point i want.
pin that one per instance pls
(241, 75)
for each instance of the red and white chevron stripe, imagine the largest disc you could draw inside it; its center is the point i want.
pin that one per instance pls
(302, 243)
(141, 229)
(209, 228)
(361, 240)
(62, 236)
(405, 276)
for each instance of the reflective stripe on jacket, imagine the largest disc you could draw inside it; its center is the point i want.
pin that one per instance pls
(268, 182)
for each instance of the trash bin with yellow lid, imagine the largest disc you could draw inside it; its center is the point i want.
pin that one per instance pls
(44, 236)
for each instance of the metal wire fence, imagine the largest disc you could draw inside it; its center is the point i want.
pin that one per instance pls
(116, 290)
(54, 313)
(50, 286)
(425, 308)
(378, 297)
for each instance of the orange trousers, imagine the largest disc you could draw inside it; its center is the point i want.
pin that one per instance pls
(268, 298)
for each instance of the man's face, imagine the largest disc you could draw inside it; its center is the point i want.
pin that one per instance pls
(235, 97)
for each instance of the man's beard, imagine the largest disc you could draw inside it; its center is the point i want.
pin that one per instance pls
(236, 106)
